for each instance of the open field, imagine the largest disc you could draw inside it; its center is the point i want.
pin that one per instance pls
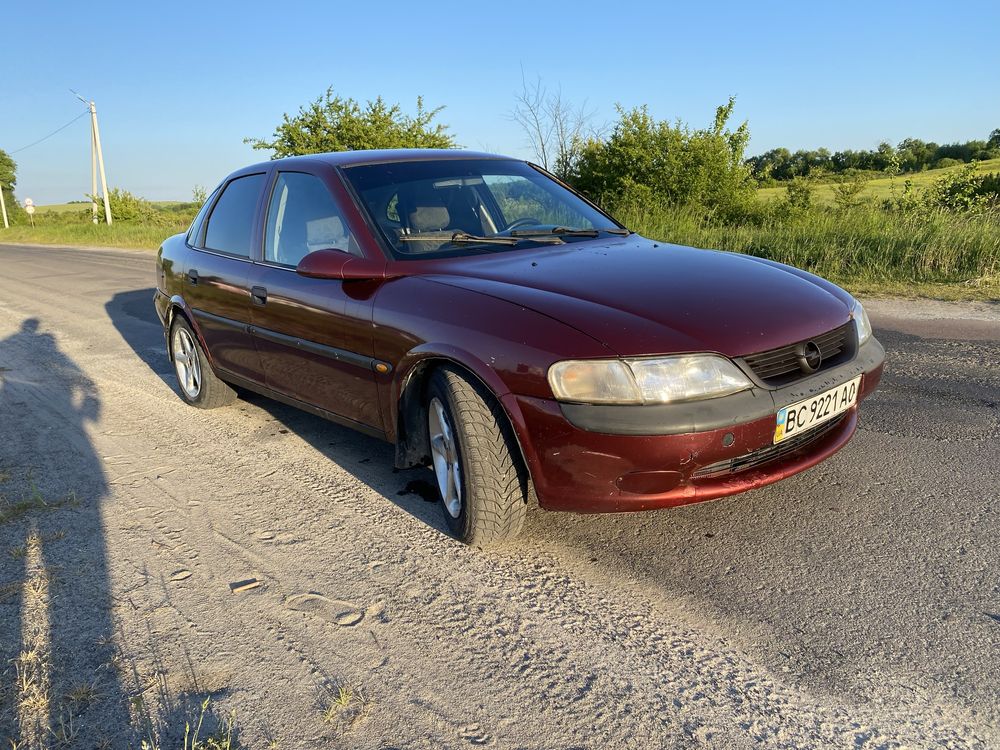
(879, 188)
(854, 605)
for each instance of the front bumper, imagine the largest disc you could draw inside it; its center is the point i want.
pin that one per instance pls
(611, 459)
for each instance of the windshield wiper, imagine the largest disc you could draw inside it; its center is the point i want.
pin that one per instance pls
(566, 232)
(464, 237)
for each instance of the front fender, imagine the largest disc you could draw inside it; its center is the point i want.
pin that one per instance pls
(405, 395)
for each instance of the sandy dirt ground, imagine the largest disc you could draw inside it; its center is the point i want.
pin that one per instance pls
(856, 605)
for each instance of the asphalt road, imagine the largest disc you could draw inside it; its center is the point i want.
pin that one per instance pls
(855, 605)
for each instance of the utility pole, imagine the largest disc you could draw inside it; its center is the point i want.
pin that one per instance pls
(93, 177)
(3, 208)
(96, 161)
(100, 162)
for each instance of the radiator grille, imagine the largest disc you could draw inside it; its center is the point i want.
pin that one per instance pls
(781, 366)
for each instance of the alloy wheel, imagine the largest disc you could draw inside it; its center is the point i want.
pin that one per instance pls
(186, 362)
(444, 453)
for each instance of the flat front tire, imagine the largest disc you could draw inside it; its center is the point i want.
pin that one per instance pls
(198, 384)
(480, 476)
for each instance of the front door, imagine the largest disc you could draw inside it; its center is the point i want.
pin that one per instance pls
(314, 336)
(216, 283)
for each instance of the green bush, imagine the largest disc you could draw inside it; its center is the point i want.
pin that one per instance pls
(332, 123)
(643, 158)
(799, 193)
(947, 162)
(848, 187)
(960, 190)
(126, 207)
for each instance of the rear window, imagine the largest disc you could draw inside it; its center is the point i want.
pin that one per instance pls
(230, 225)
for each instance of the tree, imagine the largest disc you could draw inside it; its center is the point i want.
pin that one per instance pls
(8, 180)
(332, 123)
(994, 141)
(554, 128)
(649, 160)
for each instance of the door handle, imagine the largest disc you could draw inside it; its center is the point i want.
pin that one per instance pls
(192, 275)
(258, 295)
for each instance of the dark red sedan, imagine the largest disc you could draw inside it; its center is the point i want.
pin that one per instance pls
(500, 328)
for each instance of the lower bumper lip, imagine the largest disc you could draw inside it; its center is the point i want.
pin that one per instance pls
(723, 485)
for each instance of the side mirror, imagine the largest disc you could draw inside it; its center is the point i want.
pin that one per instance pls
(336, 264)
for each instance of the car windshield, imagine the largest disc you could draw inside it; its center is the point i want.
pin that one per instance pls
(448, 207)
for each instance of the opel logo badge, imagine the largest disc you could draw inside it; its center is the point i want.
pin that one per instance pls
(809, 357)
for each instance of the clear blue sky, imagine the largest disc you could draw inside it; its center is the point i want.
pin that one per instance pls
(178, 85)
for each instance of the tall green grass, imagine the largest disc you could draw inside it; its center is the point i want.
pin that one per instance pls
(864, 245)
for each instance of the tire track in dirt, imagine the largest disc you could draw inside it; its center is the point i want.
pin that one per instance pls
(704, 689)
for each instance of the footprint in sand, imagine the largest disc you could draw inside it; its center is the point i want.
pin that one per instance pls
(474, 734)
(337, 611)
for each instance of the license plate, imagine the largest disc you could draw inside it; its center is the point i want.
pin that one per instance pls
(804, 415)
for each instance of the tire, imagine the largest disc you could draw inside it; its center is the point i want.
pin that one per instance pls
(483, 461)
(196, 381)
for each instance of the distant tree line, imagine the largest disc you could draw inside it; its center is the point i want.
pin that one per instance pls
(909, 155)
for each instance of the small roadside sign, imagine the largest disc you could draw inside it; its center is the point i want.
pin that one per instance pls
(29, 209)
(28, 202)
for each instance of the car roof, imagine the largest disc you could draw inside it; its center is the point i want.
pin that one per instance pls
(379, 156)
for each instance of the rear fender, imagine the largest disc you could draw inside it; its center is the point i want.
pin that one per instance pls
(177, 306)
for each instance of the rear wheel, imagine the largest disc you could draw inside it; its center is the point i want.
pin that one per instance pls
(480, 477)
(198, 384)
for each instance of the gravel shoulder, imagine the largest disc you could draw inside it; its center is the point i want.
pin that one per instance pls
(856, 605)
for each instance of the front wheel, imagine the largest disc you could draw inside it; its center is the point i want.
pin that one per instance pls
(480, 476)
(198, 384)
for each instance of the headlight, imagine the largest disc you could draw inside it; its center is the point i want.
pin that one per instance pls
(861, 323)
(653, 380)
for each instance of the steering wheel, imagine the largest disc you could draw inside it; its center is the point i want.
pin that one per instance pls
(527, 221)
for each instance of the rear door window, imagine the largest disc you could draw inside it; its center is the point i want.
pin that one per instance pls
(231, 223)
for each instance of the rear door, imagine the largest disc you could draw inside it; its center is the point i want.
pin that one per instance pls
(216, 281)
(315, 336)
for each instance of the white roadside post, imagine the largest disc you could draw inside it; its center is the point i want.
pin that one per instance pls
(3, 209)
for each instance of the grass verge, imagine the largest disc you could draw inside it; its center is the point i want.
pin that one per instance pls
(138, 236)
(939, 254)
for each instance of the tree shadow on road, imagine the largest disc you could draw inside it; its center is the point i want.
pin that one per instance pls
(57, 657)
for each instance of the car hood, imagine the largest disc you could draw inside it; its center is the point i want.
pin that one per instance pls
(640, 297)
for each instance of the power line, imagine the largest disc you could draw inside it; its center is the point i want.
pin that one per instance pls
(82, 114)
